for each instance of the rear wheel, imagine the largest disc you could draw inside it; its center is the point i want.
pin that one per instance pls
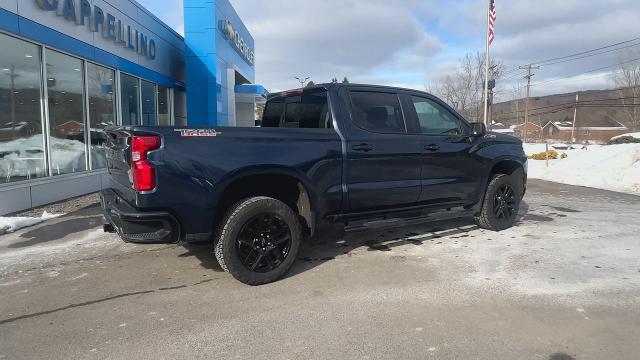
(501, 203)
(259, 240)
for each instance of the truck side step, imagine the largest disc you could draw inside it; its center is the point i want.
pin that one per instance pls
(409, 219)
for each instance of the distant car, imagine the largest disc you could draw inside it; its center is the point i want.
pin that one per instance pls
(631, 138)
(334, 152)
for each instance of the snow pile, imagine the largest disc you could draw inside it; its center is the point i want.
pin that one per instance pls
(25, 157)
(608, 167)
(11, 224)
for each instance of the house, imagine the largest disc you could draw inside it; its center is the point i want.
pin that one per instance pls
(69, 130)
(533, 131)
(591, 130)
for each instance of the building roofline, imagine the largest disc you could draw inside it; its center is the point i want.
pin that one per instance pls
(154, 17)
(530, 123)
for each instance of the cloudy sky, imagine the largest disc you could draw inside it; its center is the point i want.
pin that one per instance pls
(414, 43)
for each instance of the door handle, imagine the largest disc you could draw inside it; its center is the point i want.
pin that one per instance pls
(432, 147)
(364, 147)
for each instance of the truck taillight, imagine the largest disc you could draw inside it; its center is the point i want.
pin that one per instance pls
(144, 175)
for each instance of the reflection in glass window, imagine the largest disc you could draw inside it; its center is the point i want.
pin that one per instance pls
(66, 113)
(435, 119)
(21, 141)
(129, 95)
(180, 107)
(164, 119)
(149, 104)
(101, 110)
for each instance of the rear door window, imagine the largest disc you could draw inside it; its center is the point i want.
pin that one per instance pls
(377, 112)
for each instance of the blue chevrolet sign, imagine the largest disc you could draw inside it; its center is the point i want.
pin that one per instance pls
(112, 28)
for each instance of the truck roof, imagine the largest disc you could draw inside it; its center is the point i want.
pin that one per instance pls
(328, 86)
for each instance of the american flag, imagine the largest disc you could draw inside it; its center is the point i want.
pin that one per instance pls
(492, 20)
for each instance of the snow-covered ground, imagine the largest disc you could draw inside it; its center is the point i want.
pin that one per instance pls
(608, 167)
(11, 224)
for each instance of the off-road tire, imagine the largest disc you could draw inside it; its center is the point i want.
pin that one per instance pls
(487, 218)
(238, 215)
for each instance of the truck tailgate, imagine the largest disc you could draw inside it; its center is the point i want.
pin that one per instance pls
(119, 163)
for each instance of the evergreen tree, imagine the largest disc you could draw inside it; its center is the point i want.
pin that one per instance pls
(345, 80)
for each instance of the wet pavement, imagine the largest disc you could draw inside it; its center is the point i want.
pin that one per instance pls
(563, 284)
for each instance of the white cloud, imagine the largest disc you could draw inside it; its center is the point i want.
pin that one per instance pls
(353, 38)
(419, 41)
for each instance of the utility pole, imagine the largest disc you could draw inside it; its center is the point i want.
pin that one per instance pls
(575, 115)
(526, 104)
(302, 80)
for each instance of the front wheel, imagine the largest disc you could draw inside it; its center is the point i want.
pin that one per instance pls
(259, 240)
(501, 203)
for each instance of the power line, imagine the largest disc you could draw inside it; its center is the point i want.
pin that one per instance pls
(582, 73)
(587, 56)
(517, 72)
(541, 62)
(584, 102)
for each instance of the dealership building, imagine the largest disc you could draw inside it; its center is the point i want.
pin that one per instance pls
(69, 68)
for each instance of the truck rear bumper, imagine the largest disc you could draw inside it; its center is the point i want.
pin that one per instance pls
(134, 225)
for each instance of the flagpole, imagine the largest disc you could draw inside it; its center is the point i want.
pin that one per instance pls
(486, 72)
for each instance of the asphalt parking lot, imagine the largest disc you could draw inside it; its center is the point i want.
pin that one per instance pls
(563, 284)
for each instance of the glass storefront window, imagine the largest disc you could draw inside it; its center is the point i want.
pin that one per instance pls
(164, 119)
(129, 95)
(180, 107)
(100, 81)
(76, 115)
(149, 104)
(21, 141)
(66, 113)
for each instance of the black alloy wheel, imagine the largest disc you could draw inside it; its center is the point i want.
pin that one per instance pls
(264, 243)
(504, 205)
(259, 240)
(499, 208)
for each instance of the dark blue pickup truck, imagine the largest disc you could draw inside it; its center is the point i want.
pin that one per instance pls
(337, 153)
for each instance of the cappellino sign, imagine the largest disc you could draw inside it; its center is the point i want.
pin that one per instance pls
(112, 28)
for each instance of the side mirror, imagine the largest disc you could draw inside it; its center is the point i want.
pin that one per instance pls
(478, 129)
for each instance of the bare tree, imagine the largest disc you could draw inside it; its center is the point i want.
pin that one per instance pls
(627, 79)
(464, 89)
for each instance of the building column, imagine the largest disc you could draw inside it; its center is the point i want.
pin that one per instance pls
(231, 96)
(200, 26)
